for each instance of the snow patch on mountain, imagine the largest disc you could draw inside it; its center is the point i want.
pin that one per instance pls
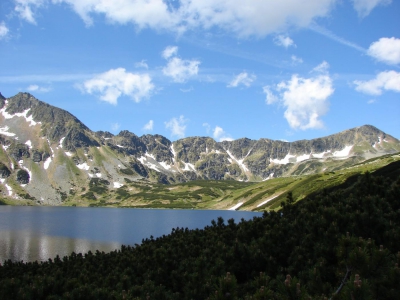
(83, 166)
(189, 167)
(10, 191)
(236, 206)
(61, 141)
(282, 161)
(344, 152)
(4, 130)
(29, 144)
(302, 157)
(29, 119)
(117, 185)
(149, 161)
(266, 201)
(46, 163)
(173, 152)
(321, 155)
(165, 165)
(239, 161)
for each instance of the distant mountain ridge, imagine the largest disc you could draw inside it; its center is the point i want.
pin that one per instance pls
(48, 155)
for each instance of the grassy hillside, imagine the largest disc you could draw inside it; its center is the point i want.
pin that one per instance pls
(211, 194)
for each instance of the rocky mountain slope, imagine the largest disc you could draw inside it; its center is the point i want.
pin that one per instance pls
(48, 156)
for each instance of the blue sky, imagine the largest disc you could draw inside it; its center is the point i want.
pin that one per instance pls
(278, 69)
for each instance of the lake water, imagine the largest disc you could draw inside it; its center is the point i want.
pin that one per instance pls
(39, 233)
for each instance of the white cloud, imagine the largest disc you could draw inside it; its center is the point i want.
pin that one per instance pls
(270, 96)
(321, 68)
(148, 126)
(296, 60)
(116, 82)
(249, 18)
(220, 135)
(170, 51)
(143, 13)
(252, 17)
(36, 88)
(387, 80)
(364, 7)
(26, 9)
(142, 64)
(177, 126)
(305, 99)
(284, 41)
(3, 30)
(115, 126)
(188, 90)
(181, 69)
(386, 50)
(242, 78)
(371, 101)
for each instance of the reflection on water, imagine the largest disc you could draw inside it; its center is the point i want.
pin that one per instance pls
(26, 246)
(39, 233)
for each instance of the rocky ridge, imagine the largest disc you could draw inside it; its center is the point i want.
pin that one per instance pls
(48, 155)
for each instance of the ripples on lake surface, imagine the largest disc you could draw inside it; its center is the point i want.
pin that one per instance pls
(39, 233)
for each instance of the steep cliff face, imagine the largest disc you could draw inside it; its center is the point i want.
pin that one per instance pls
(48, 155)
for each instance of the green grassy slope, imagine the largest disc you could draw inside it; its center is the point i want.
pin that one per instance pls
(211, 194)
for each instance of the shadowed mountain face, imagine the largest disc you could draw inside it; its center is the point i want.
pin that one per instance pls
(47, 155)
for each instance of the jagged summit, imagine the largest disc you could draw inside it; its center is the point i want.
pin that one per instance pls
(49, 155)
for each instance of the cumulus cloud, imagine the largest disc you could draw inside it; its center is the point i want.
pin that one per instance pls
(142, 64)
(296, 60)
(305, 99)
(180, 70)
(270, 96)
(3, 30)
(148, 126)
(26, 9)
(384, 81)
(321, 68)
(220, 135)
(284, 41)
(242, 78)
(114, 83)
(143, 13)
(364, 7)
(36, 88)
(177, 126)
(249, 18)
(386, 50)
(170, 51)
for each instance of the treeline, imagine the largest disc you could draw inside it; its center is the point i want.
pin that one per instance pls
(339, 244)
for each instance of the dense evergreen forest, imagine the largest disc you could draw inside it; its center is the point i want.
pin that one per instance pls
(341, 243)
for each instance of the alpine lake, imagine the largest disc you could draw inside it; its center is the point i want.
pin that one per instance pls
(30, 233)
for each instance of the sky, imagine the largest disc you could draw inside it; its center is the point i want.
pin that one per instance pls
(278, 69)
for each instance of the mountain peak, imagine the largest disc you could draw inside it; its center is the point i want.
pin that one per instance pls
(61, 156)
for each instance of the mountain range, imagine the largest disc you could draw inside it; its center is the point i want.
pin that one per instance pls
(48, 156)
